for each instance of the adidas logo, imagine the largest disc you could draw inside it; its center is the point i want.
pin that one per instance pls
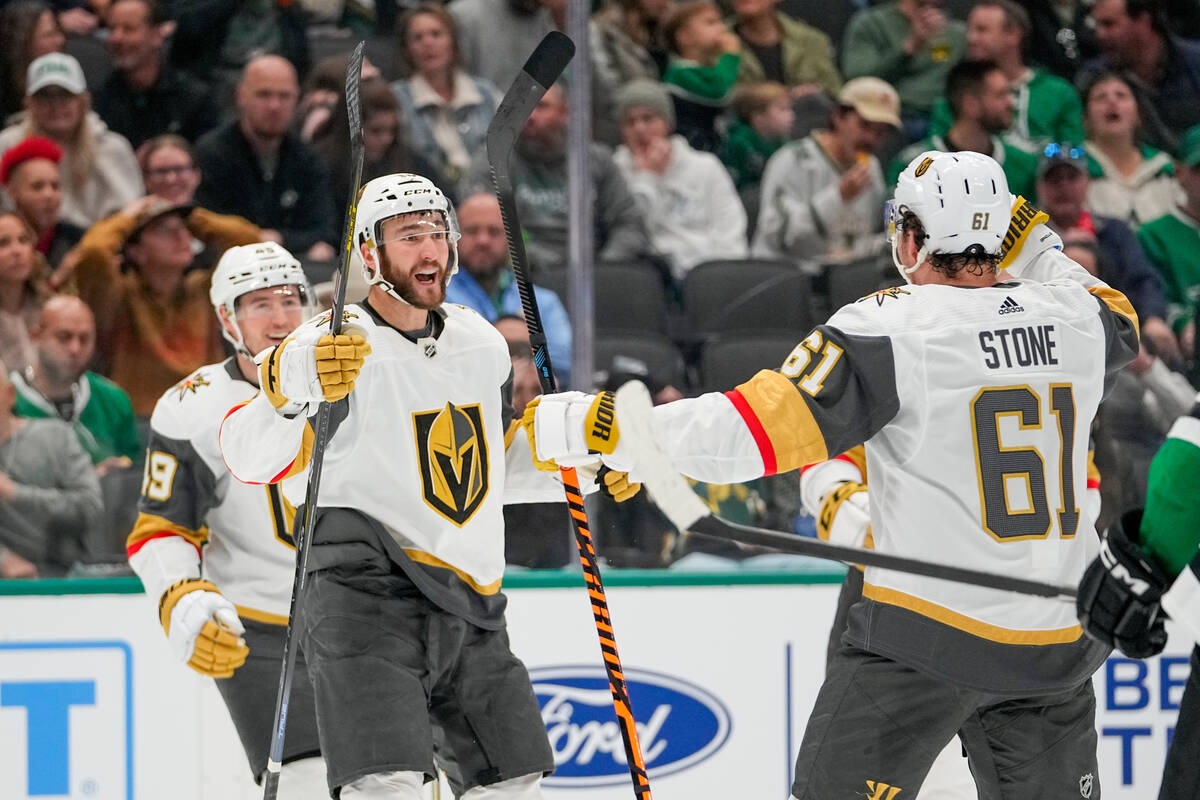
(1010, 306)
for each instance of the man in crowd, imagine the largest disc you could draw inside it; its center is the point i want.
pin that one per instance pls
(1062, 192)
(912, 45)
(485, 280)
(49, 494)
(256, 168)
(821, 195)
(145, 96)
(1046, 107)
(539, 173)
(982, 108)
(58, 385)
(1164, 68)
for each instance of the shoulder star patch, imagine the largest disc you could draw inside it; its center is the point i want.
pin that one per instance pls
(884, 294)
(190, 384)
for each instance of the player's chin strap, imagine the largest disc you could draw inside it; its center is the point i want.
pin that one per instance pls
(906, 272)
(687, 512)
(375, 275)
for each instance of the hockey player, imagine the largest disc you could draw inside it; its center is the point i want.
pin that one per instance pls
(973, 396)
(402, 618)
(216, 555)
(1148, 564)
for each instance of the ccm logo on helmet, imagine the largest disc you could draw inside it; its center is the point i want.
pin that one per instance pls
(417, 191)
(923, 167)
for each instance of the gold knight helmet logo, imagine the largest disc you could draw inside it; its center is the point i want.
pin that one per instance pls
(453, 455)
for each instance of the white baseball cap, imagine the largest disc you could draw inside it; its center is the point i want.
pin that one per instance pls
(55, 69)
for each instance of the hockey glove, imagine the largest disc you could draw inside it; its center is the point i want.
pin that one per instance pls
(616, 484)
(311, 367)
(845, 517)
(569, 428)
(1119, 600)
(203, 628)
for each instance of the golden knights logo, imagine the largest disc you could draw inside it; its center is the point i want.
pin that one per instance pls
(190, 384)
(328, 315)
(453, 456)
(883, 294)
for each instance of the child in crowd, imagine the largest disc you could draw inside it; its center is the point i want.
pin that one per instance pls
(701, 69)
(763, 123)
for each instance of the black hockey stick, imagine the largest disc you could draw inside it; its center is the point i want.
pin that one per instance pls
(688, 512)
(540, 71)
(321, 437)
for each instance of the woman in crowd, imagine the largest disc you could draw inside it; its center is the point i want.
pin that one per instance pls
(22, 291)
(445, 111)
(383, 148)
(168, 164)
(28, 30)
(1130, 181)
(30, 175)
(99, 172)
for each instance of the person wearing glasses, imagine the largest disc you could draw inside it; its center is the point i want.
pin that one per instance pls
(1062, 191)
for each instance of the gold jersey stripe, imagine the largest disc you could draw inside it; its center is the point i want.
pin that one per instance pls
(303, 457)
(261, 616)
(786, 420)
(1116, 302)
(974, 627)
(421, 557)
(513, 427)
(150, 525)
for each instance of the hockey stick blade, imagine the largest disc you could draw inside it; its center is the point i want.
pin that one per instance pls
(687, 512)
(321, 435)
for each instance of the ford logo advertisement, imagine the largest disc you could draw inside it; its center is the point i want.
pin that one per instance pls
(679, 724)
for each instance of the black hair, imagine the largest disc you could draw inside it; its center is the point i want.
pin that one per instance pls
(966, 78)
(973, 260)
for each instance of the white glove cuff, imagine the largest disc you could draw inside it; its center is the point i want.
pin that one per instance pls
(1182, 602)
(558, 428)
(851, 522)
(821, 479)
(298, 380)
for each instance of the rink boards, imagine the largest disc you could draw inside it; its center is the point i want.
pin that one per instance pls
(722, 669)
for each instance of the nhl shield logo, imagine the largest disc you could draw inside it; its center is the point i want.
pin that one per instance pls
(1085, 786)
(453, 456)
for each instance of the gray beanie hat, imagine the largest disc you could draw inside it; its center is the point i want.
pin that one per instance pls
(647, 93)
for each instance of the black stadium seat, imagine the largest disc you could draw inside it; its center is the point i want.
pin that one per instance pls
(734, 357)
(747, 294)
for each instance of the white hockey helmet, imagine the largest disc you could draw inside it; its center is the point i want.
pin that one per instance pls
(390, 196)
(248, 267)
(961, 199)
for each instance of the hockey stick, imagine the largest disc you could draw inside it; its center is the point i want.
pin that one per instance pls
(688, 512)
(321, 437)
(540, 71)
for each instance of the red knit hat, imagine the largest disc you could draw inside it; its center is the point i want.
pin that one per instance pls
(33, 147)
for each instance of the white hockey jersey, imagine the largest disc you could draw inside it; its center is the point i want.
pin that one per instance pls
(425, 445)
(975, 406)
(197, 521)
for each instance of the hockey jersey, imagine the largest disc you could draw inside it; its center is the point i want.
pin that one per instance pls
(425, 447)
(195, 520)
(975, 406)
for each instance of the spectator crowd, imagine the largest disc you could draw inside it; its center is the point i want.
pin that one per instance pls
(741, 152)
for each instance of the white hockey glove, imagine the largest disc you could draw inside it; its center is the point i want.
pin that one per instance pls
(203, 628)
(312, 366)
(570, 428)
(1029, 236)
